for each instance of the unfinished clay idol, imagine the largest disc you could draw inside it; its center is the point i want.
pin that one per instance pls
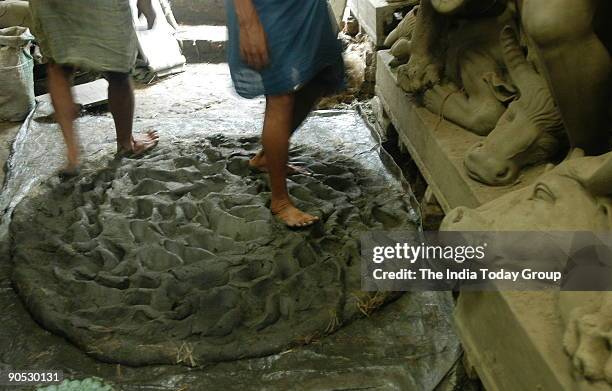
(429, 38)
(175, 258)
(529, 132)
(574, 196)
(399, 40)
(476, 88)
(573, 40)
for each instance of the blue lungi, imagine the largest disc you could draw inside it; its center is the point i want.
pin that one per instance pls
(302, 42)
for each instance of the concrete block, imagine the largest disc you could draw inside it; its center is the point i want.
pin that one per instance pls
(376, 16)
(203, 44)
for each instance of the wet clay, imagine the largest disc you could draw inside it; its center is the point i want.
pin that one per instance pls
(175, 258)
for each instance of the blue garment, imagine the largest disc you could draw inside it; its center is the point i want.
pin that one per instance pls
(302, 44)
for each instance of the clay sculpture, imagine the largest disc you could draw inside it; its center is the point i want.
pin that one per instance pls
(529, 132)
(399, 40)
(571, 40)
(574, 196)
(426, 64)
(476, 88)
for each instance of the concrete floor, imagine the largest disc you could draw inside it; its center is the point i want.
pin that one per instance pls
(408, 345)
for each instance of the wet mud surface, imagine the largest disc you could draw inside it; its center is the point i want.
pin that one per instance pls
(175, 258)
(408, 344)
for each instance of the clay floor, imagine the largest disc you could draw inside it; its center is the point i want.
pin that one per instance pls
(408, 344)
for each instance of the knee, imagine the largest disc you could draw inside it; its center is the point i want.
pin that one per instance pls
(553, 22)
(116, 78)
(285, 100)
(64, 70)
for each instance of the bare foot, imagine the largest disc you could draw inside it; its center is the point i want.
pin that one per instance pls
(258, 162)
(69, 171)
(71, 168)
(141, 143)
(292, 216)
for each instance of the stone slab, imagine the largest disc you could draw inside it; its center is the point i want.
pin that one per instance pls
(437, 146)
(204, 43)
(376, 16)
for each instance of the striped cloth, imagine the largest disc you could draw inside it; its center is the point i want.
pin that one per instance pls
(302, 43)
(95, 35)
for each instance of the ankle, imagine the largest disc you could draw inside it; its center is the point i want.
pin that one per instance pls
(280, 204)
(125, 145)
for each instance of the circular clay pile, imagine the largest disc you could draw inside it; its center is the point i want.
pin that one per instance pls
(175, 257)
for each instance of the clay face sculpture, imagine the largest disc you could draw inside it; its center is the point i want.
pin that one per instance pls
(531, 130)
(574, 196)
(559, 199)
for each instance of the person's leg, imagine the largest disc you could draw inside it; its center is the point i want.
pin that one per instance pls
(278, 125)
(65, 110)
(121, 105)
(304, 101)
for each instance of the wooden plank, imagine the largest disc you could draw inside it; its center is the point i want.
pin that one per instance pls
(87, 95)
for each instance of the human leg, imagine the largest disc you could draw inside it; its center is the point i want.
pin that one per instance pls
(65, 111)
(276, 133)
(121, 105)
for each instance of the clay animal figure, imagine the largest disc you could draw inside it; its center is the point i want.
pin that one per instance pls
(588, 335)
(476, 88)
(426, 64)
(530, 131)
(574, 196)
(399, 40)
(572, 41)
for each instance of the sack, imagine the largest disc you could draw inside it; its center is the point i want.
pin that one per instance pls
(15, 13)
(16, 74)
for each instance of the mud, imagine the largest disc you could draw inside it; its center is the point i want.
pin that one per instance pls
(407, 345)
(176, 259)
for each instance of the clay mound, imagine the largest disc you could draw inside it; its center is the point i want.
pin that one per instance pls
(175, 258)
